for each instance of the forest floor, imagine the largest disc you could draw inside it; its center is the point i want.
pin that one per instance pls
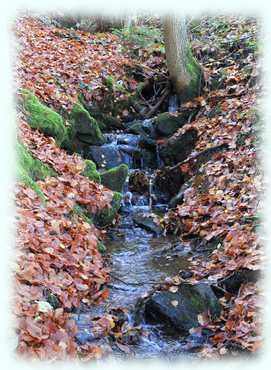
(57, 256)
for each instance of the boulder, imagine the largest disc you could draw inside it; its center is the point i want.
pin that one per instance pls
(85, 127)
(115, 177)
(178, 147)
(179, 310)
(232, 282)
(168, 123)
(148, 221)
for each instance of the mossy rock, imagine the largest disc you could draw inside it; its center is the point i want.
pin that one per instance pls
(115, 177)
(85, 127)
(91, 172)
(167, 123)
(107, 215)
(106, 121)
(44, 118)
(136, 129)
(179, 310)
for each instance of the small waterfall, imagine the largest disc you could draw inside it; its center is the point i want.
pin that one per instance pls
(173, 103)
(150, 191)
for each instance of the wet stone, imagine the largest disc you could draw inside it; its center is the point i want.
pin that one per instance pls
(179, 311)
(150, 222)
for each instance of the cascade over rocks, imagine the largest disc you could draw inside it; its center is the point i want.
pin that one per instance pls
(106, 156)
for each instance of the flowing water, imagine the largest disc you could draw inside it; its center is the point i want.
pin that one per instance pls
(139, 259)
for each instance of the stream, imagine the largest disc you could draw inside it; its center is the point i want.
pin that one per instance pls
(140, 257)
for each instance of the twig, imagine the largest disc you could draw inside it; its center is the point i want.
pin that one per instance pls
(133, 283)
(157, 105)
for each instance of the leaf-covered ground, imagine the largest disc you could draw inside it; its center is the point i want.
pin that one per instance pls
(222, 205)
(57, 257)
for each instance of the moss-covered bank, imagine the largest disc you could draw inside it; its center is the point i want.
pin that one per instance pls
(30, 170)
(91, 172)
(44, 118)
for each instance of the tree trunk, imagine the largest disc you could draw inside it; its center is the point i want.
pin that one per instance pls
(184, 71)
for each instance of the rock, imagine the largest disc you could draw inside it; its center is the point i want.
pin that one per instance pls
(146, 139)
(181, 250)
(148, 159)
(179, 311)
(105, 156)
(233, 282)
(91, 172)
(148, 221)
(85, 127)
(177, 148)
(186, 274)
(44, 118)
(137, 128)
(107, 215)
(169, 180)
(168, 123)
(115, 177)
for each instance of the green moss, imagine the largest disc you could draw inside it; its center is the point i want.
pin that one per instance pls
(44, 118)
(195, 73)
(91, 172)
(107, 215)
(36, 169)
(105, 120)
(136, 128)
(81, 212)
(30, 169)
(166, 123)
(114, 178)
(85, 127)
(26, 179)
(101, 247)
